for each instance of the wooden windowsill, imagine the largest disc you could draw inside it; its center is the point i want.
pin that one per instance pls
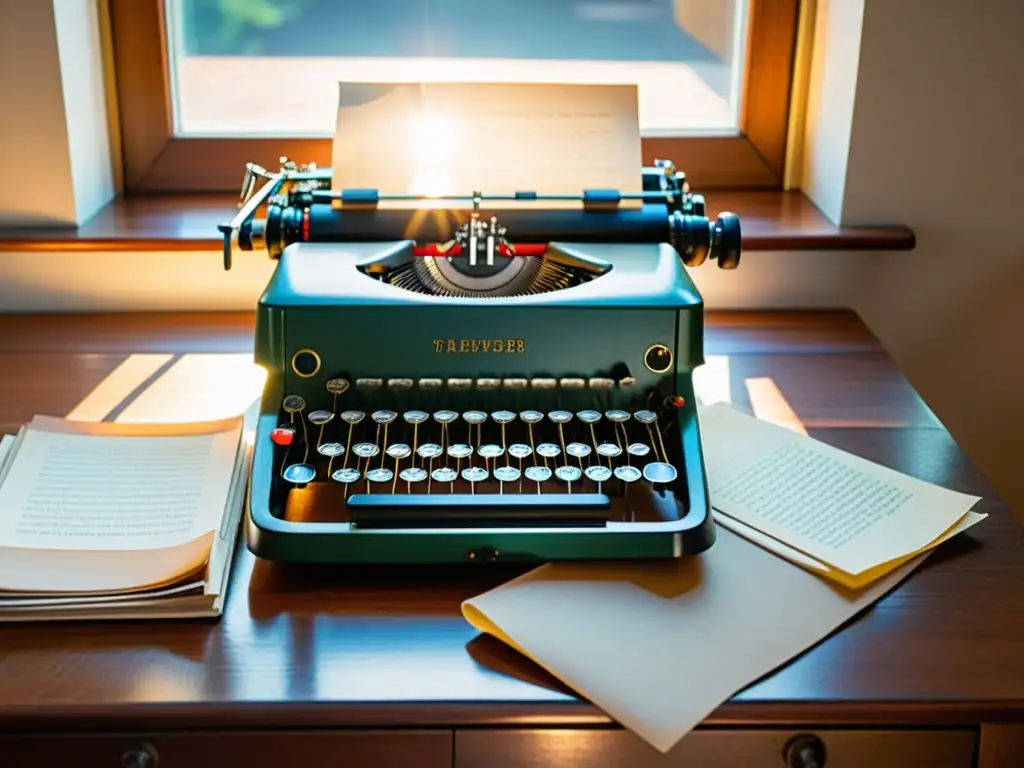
(771, 221)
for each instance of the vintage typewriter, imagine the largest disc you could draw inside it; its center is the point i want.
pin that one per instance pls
(478, 378)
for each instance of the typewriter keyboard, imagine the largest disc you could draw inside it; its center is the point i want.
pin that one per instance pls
(550, 465)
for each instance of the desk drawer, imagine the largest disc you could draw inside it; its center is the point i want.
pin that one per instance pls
(712, 749)
(262, 749)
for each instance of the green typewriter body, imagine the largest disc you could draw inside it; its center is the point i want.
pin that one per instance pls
(502, 384)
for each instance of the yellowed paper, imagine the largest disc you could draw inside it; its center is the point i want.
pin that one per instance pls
(659, 646)
(851, 582)
(840, 509)
(498, 138)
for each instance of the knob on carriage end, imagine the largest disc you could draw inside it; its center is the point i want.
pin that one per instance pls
(143, 756)
(726, 239)
(804, 751)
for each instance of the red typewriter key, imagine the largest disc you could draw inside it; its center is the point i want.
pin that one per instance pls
(283, 435)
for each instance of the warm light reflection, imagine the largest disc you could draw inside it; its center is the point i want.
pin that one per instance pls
(160, 389)
(176, 681)
(712, 381)
(769, 404)
(106, 396)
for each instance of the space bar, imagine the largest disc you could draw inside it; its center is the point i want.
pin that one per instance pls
(432, 510)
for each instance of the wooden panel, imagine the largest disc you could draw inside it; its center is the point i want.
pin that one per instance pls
(379, 749)
(711, 749)
(1002, 746)
(771, 221)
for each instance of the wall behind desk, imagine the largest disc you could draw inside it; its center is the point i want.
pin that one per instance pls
(937, 143)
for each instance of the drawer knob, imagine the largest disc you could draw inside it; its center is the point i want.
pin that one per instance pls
(143, 756)
(804, 751)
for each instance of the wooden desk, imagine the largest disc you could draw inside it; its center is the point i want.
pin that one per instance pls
(325, 667)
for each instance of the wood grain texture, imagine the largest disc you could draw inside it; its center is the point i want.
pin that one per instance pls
(1001, 746)
(771, 221)
(725, 748)
(375, 647)
(266, 749)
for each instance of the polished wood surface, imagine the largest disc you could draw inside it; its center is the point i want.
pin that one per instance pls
(771, 221)
(725, 748)
(155, 160)
(389, 648)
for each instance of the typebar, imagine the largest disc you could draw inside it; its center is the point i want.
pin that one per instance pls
(379, 510)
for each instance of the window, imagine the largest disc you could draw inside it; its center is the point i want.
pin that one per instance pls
(206, 85)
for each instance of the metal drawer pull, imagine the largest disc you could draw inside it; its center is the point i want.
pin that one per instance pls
(804, 751)
(143, 757)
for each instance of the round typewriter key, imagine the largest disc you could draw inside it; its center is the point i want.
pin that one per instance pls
(609, 450)
(330, 449)
(589, 417)
(444, 475)
(490, 451)
(460, 451)
(560, 417)
(445, 417)
(503, 417)
(537, 474)
(519, 451)
(628, 474)
(380, 475)
(293, 404)
(531, 417)
(415, 417)
(638, 449)
(337, 386)
(474, 474)
(617, 416)
(282, 435)
(660, 472)
(475, 417)
(345, 476)
(646, 417)
(398, 451)
(384, 417)
(429, 450)
(365, 450)
(548, 450)
(320, 417)
(300, 474)
(598, 474)
(568, 474)
(506, 474)
(413, 475)
(578, 450)
(352, 417)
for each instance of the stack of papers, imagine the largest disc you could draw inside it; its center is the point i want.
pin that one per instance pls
(838, 515)
(119, 520)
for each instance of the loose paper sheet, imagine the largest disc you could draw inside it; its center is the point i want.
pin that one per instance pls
(659, 646)
(499, 138)
(837, 508)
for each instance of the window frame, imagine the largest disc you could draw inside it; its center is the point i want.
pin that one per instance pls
(155, 161)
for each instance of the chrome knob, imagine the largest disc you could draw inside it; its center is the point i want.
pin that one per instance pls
(144, 756)
(804, 751)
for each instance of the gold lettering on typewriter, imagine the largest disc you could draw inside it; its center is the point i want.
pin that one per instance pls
(479, 346)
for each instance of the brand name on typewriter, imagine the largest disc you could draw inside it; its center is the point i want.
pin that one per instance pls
(476, 346)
